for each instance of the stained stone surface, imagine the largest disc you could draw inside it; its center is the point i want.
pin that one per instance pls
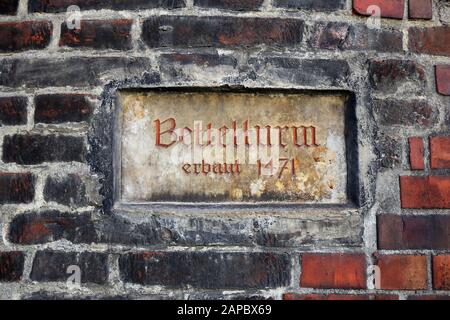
(232, 147)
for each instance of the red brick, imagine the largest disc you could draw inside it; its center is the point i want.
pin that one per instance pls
(432, 192)
(346, 271)
(433, 40)
(397, 232)
(416, 153)
(443, 79)
(441, 272)
(21, 36)
(98, 34)
(420, 9)
(11, 266)
(312, 296)
(440, 152)
(402, 272)
(389, 8)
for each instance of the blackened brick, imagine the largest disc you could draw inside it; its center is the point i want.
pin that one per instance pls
(414, 113)
(176, 31)
(390, 76)
(16, 187)
(413, 232)
(238, 5)
(8, 7)
(358, 37)
(98, 34)
(35, 149)
(70, 71)
(13, 110)
(59, 108)
(318, 5)
(68, 190)
(27, 35)
(207, 270)
(11, 266)
(51, 266)
(303, 72)
(48, 226)
(62, 5)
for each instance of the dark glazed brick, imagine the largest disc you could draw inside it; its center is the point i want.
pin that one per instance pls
(413, 232)
(358, 37)
(59, 108)
(13, 110)
(48, 226)
(433, 40)
(8, 7)
(207, 270)
(69, 190)
(21, 36)
(389, 76)
(98, 34)
(176, 31)
(303, 72)
(51, 266)
(11, 266)
(318, 5)
(72, 71)
(415, 113)
(238, 5)
(35, 149)
(200, 59)
(62, 5)
(16, 187)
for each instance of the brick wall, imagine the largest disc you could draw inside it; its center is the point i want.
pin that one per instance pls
(55, 85)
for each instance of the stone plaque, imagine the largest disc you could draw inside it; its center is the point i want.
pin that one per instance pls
(232, 147)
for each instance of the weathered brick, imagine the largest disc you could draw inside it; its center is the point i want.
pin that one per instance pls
(62, 5)
(70, 71)
(315, 296)
(16, 187)
(402, 272)
(414, 113)
(391, 76)
(13, 110)
(303, 72)
(420, 9)
(27, 35)
(98, 34)
(48, 226)
(11, 266)
(199, 59)
(59, 108)
(51, 266)
(397, 232)
(441, 272)
(35, 149)
(431, 192)
(317, 5)
(328, 271)
(358, 37)
(389, 8)
(440, 152)
(416, 153)
(443, 79)
(207, 270)
(182, 31)
(68, 190)
(8, 7)
(428, 297)
(432, 40)
(238, 5)
(389, 151)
